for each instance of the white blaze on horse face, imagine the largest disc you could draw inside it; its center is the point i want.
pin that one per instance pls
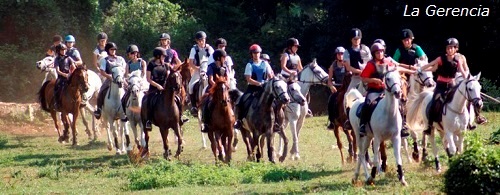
(295, 94)
(281, 90)
(393, 81)
(117, 73)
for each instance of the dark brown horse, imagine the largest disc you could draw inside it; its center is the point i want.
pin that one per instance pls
(220, 127)
(70, 101)
(338, 117)
(186, 72)
(165, 114)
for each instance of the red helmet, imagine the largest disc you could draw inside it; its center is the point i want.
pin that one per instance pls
(255, 49)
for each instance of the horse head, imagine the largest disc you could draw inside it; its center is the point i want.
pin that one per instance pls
(118, 74)
(135, 83)
(174, 80)
(278, 89)
(80, 77)
(392, 81)
(313, 73)
(295, 94)
(424, 78)
(45, 63)
(473, 90)
(220, 91)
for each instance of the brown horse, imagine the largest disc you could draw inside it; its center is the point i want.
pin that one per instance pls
(70, 101)
(338, 117)
(165, 114)
(186, 72)
(220, 127)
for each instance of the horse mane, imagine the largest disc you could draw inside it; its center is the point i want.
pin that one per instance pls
(78, 68)
(346, 81)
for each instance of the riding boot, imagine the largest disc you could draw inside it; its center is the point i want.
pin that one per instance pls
(100, 102)
(205, 116)
(347, 123)
(364, 117)
(150, 112)
(194, 110)
(330, 126)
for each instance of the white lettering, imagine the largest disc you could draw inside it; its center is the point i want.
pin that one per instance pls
(415, 11)
(433, 10)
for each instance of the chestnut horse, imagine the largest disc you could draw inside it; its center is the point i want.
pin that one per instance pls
(165, 114)
(70, 101)
(220, 127)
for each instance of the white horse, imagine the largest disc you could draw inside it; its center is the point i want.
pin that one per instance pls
(386, 110)
(136, 89)
(201, 90)
(47, 65)
(292, 112)
(112, 110)
(419, 82)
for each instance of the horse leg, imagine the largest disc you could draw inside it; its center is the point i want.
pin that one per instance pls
(213, 145)
(126, 131)
(435, 151)
(180, 141)
(295, 136)
(451, 142)
(375, 161)
(415, 153)
(164, 138)
(53, 114)
(270, 146)
(459, 143)
(85, 123)
(404, 143)
(114, 130)
(256, 145)
(220, 147)
(235, 142)
(396, 142)
(73, 128)
(350, 143)
(383, 156)
(354, 143)
(339, 143)
(283, 151)
(245, 134)
(65, 120)
(95, 123)
(145, 143)
(228, 145)
(424, 147)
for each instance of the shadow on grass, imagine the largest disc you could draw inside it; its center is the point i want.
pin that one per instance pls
(279, 175)
(91, 145)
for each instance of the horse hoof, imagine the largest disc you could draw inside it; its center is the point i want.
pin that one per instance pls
(403, 182)
(282, 158)
(110, 148)
(415, 156)
(370, 181)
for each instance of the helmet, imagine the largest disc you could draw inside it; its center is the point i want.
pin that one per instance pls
(102, 35)
(452, 41)
(200, 35)
(255, 49)
(265, 57)
(292, 42)
(219, 53)
(132, 48)
(381, 41)
(159, 51)
(56, 38)
(406, 33)
(339, 50)
(60, 47)
(109, 46)
(69, 38)
(220, 41)
(377, 47)
(164, 36)
(356, 33)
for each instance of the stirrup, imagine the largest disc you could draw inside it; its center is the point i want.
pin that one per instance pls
(148, 125)
(362, 130)
(404, 132)
(238, 124)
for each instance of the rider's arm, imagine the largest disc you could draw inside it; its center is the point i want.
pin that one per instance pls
(283, 60)
(94, 60)
(348, 66)
(150, 81)
(299, 65)
(365, 75)
(143, 67)
(78, 60)
(269, 71)
(432, 66)
(465, 66)
(405, 70)
(61, 73)
(211, 80)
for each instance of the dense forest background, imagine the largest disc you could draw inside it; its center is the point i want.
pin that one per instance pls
(27, 27)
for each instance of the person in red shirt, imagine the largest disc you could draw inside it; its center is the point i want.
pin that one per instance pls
(373, 75)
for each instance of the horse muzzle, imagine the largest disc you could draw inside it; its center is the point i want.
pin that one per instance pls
(478, 103)
(430, 83)
(398, 94)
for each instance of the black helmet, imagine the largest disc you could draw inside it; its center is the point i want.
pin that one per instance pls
(381, 41)
(60, 47)
(292, 42)
(110, 45)
(219, 53)
(102, 35)
(452, 41)
(406, 33)
(159, 51)
(132, 48)
(356, 33)
(56, 38)
(200, 35)
(220, 41)
(164, 36)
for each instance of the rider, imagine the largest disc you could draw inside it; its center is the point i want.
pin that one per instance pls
(218, 67)
(56, 40)
(64, 66)
(107, 64)
(290, 60)
(134, 63)
(408, 52)
(375, 86)
(172, 57)
(337, 72)
(257, 72)
(102, 39)
(198, 60)
(221, 44)
(73, 51)
(156, 75)
(446, 67)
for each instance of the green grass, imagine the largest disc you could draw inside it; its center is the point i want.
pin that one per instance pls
(40, 165)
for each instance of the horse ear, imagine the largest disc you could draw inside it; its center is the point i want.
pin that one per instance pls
(216, 77)
(478, 76)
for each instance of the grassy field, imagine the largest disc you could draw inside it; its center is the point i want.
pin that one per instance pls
(38, 164)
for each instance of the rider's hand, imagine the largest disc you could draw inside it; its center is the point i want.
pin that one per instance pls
(333, 89)
(160, 88)
(413, 68)
(378, 81)
(293, 73)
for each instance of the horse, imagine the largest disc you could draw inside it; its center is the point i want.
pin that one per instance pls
(292, 114)
(386, 110)
(136, 89)
(47, 65)
(112, 110)
(199, 88)
(166, 115)
(186, 72)
(339, 117)
(220, 127)
(259, 119)
(70, 101)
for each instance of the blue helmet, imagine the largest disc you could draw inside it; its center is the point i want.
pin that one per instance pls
(69, 38)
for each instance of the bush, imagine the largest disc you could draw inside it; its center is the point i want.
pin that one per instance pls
(3, 141)
(476, 171)
(495, 137)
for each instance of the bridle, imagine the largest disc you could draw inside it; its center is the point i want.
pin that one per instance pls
(316, 74)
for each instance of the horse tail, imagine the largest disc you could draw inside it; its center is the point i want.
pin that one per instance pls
(41, 96)
(416, 108)
(351, 97)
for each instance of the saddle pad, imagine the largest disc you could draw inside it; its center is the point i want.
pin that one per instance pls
(358, 111)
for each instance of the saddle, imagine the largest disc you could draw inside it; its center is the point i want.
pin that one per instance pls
(436, 109)
(370, 108)
(246, 101)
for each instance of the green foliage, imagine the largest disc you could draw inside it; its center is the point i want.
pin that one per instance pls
(173, 174)
(3, 141)
(492, 90)
(495, 137)
(476, 171)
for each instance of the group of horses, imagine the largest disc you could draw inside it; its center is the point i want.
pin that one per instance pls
(281, 104)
